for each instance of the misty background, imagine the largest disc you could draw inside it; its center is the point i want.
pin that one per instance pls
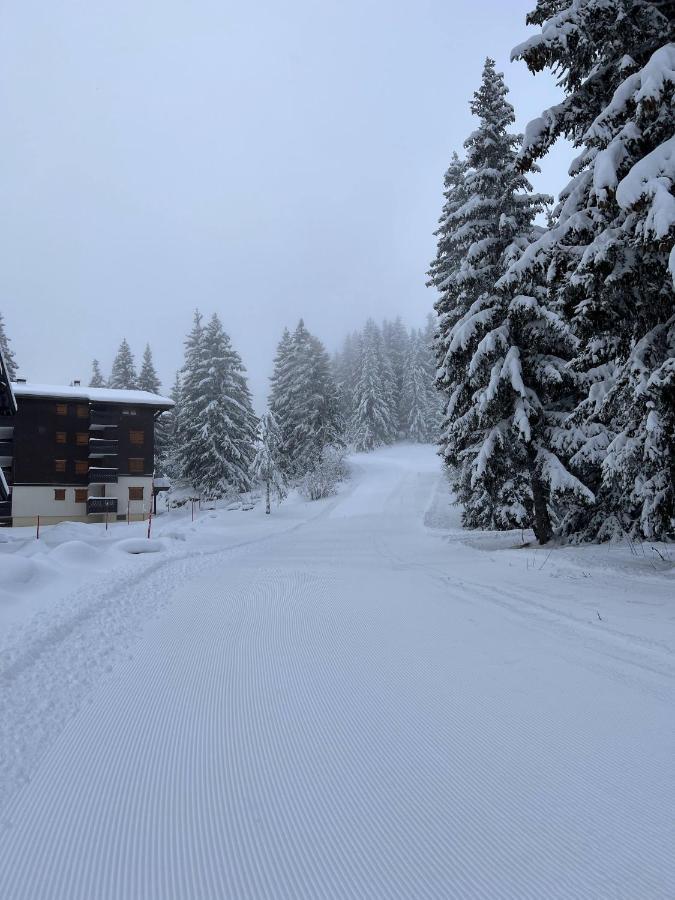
(265, 161)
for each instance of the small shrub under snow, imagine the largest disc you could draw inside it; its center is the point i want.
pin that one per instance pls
(323, 479)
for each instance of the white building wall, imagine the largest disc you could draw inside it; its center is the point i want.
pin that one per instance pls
(138, 509)
(31, 501)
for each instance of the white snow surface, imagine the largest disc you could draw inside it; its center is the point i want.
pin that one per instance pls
(349, 698)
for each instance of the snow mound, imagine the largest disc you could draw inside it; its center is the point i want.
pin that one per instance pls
(63, 532)
(75, 553)
(140, 545)
(174, 535)
(19, 572)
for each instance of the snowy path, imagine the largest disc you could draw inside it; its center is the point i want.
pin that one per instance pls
(358, 709)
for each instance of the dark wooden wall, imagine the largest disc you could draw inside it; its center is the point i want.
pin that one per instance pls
(35, 448)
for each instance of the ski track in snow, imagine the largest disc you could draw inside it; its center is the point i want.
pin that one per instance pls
(354, 710)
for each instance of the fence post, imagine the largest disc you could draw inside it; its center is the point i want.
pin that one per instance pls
(37, 536)
(106, 520)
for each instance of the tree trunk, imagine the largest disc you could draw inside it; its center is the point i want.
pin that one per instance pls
(267, 504)
(543, 530)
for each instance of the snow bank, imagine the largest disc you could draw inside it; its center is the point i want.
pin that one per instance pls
(75, 553)
(139, 545)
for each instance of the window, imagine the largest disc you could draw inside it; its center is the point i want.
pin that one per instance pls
(61, 409)
(81, 466)
(137, 437)
(61, 437)
(59, 493)
(82, 411)
(80, 495)
(136, 465)
(135, 493)
(82, 438)
(60, 465)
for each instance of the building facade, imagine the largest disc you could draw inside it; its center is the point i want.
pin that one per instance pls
(80, 454)
(8, 408)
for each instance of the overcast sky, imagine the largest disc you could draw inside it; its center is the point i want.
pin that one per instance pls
(264, 160)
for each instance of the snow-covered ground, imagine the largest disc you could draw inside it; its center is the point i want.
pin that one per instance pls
(350, 698)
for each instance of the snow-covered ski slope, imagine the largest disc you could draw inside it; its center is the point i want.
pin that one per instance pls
(371, 704)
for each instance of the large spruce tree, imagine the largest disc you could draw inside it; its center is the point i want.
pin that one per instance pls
(417, 392)
(188, 443)
(215, 422)
(344, 373)
(123, 374)
(376, 416)
(166, 441)
(396, 341)
(502, 355)
(267, 467)
(606, 256)
(148, 380)
(304, 400)
(97, 380)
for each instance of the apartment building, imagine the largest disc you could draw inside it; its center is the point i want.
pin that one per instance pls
(77, 453)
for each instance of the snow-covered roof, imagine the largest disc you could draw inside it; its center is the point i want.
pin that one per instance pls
(92, 395)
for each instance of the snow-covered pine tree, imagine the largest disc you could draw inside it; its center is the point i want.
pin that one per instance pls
(267, 464)
(227, 421)
(188, 446)
(123, 374)
(607, 253)
(415, 393)
(165, 435)
(304, 400)
(7, 352)
(216, 425)
(280, 398)
(452, 246)
(375, 417)
(148, 380)
(97, 380)
(395, 340)
(505, 354)
(344, 369)
(316, 420)
(434, 396)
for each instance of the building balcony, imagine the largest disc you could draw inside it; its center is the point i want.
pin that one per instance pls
(4, 487)
(101, 475)
(96, 506)
(103, 418)
(102, 447)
